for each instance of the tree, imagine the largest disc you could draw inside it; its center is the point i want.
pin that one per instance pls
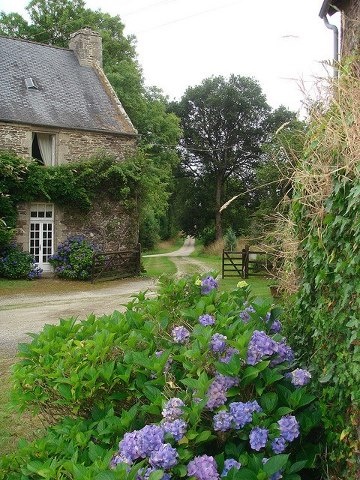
(224, 123)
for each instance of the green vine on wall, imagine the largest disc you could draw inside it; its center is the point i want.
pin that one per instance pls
(326, 216)
(75, 184)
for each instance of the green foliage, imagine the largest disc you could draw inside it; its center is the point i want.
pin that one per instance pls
(326, 218)
(224, 122)
(105, 376)
(230, 239)
(78, 184)
(16, 264)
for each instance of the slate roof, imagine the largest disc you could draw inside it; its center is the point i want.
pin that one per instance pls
(68, 95)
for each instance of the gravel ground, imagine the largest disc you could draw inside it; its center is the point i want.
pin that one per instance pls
(20, 314)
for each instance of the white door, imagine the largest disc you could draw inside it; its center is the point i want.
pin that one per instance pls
(42, 234)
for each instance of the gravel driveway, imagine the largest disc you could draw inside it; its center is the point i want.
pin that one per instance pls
(20, 314)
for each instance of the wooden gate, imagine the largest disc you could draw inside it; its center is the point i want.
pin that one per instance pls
(112, 265)
(245, 263)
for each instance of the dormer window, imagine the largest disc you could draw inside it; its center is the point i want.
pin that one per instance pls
(30, 84)
(43, 148)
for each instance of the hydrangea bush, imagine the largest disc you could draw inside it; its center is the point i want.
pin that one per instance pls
(16, 264)
(73, 259)
(177, 386)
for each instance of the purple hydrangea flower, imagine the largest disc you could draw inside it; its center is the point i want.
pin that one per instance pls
(129, 447)
(177, 428)
(245, 314)
(150, 438)
(173, 409)
(164, 457)
(218, 343)
(180, 334)
(228, 465)
(299, 377)
(222, 421)
(228, 354)
(260, 345)
(278, 445)
(206, 320)
(242, 412)
(208, 284)
(217, 391)
(203, 468)
(258, 438)
(289, 427)
(276, 326)
(284, 354)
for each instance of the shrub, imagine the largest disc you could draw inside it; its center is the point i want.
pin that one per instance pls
(204, 379)
(230, 239)
(73, 259)
(16, 264)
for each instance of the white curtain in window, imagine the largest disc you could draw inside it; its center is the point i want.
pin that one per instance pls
(45, 146)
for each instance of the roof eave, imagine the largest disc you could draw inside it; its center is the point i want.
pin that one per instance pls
(329, 7)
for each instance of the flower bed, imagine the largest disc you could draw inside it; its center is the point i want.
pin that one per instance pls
(195, 383)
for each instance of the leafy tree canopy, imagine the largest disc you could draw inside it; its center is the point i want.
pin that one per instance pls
(225, 122)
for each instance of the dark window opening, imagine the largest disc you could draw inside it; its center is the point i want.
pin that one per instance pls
(35, 150)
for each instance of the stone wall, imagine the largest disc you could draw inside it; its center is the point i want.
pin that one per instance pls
(350, 31)
(108, 224)
(70, 145)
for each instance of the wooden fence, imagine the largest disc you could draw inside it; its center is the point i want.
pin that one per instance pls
(112, 265)
(245, 263)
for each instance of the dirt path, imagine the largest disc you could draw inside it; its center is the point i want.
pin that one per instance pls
(23, 313)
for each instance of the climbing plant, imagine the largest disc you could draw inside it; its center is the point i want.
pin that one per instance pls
(77, 184)
(326, 219)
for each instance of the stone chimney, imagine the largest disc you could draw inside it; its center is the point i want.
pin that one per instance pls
(87, 46)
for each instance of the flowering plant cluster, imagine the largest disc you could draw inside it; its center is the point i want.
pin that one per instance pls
(181, 382)
(16, 264)
(239, 402)
(73, 259)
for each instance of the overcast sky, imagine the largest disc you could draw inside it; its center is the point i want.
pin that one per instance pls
(281, 43)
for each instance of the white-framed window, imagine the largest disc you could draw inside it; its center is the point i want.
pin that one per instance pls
(43, 148)
(41, 235)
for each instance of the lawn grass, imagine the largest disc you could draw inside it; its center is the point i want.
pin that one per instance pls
(157, 266)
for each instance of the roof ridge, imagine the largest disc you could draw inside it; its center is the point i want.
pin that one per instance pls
(26, 40)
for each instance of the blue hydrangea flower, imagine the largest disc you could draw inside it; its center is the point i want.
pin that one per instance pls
(206, 320)
(276, 326)
(289, 427)
(173, 409)
(203, 468)
(242, 412)
(208, 284)
(180, 334)
(284, 354)
(164, 457)
(222, 421)
(258, 438)
(278, 445)
(150, 438)
(218, 343)
(260, 345)
(228, 465)
(299, 377)
(177, 428)
(228, 354)
(217, 391)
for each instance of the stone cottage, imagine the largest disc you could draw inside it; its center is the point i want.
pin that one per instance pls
(57, 106)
